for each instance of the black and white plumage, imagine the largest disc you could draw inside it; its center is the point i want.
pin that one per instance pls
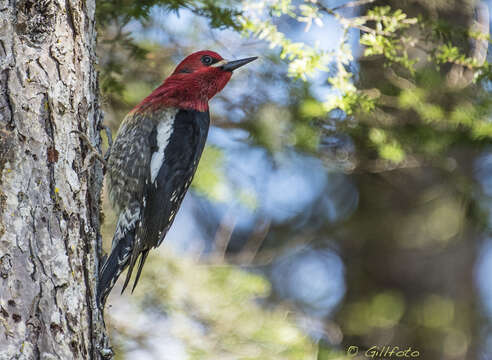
(148, 192)
(153, 160)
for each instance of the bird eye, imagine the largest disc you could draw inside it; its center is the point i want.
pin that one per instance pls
(207, 60)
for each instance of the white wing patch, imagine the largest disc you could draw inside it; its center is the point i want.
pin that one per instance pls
(164, 131)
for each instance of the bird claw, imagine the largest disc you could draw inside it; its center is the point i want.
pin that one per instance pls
(94, 153)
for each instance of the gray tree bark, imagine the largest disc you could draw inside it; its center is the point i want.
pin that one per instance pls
(49, 203)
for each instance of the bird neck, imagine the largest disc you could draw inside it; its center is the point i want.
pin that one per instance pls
(175, 94)
(187, 91)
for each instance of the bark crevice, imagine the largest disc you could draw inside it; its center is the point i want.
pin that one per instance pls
(49, 204)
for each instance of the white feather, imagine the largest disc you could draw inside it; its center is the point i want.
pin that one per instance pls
(164, 131)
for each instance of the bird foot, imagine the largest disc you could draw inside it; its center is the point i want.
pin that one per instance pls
(93, 153)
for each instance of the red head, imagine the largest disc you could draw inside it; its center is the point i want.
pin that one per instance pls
(194, 82)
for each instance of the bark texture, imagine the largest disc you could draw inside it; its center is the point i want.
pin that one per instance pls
(49, 201)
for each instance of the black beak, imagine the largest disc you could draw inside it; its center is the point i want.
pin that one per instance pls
(233, 65)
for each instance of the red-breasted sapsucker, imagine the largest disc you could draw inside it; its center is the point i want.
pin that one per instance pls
(154, 157)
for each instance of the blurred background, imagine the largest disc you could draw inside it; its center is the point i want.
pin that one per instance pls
(343, 199)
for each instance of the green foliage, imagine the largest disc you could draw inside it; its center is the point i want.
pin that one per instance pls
(221, 14)
(382, 310)
(388, 147)
(304, 60)
(209, 179)
(385, 32)
(276, 128)
(448, 53)
(310, 108)
(113, 16)
(387, 38)
(407, 113)
(224, 300)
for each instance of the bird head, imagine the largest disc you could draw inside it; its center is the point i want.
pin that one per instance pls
(198, 78)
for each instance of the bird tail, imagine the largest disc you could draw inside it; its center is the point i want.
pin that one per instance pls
(143, 256)
(114, 265)
(119, 258)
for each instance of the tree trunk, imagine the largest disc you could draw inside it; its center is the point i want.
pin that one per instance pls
(49, 201)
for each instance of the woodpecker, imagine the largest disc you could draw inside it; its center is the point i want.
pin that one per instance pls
(153, 160)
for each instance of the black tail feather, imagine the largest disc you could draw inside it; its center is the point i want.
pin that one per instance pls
(137, 251)
(114, 265)
(143, 257)
(129, 272)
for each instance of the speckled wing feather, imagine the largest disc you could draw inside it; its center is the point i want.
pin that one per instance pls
(165, 189)
(126, 182)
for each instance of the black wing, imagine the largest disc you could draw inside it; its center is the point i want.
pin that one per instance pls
(163, 196)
